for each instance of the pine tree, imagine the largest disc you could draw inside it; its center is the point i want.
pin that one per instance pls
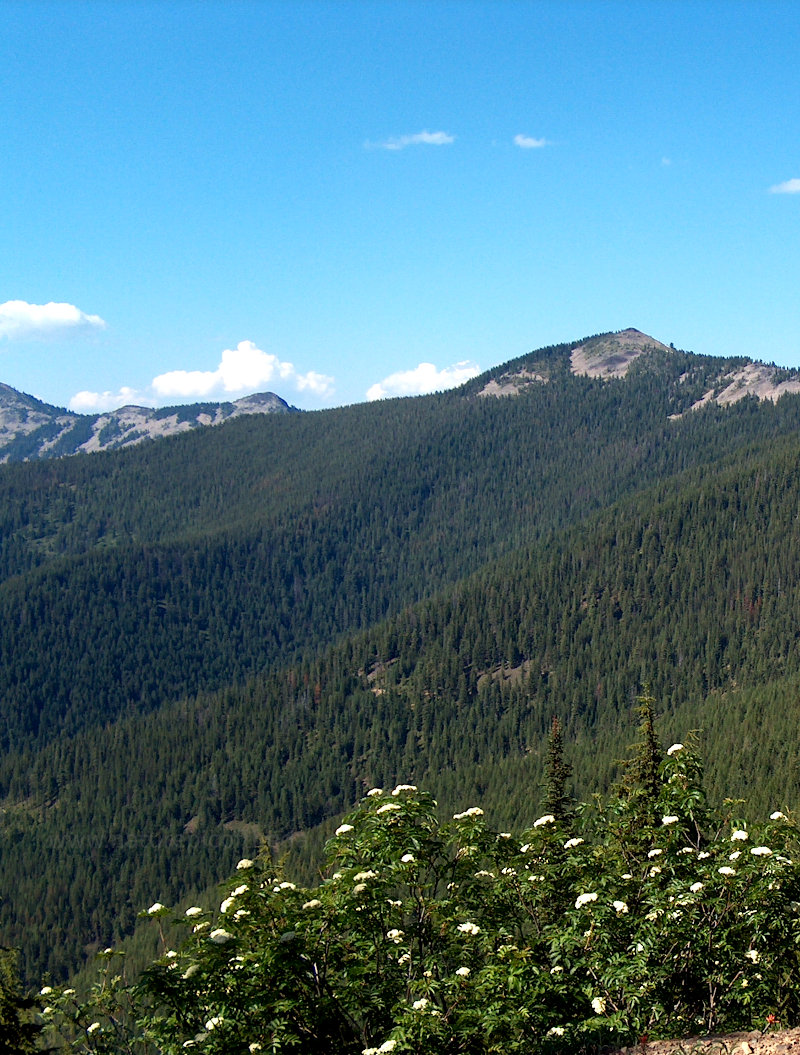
(642, 769)
(641, 782)
(557, 800)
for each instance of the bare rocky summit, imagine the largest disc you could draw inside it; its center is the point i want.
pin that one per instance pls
(612, 355)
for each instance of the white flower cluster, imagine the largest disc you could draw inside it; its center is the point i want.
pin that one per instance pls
(473, 811)
(674, 749)
(547, 819)
(388, 1045)
(220, 936)
(469, 928)
(404, 787)
(343, 829)
(584, 899)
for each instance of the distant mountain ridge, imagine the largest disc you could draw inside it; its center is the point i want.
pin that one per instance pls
(31, 429)
(611, 356)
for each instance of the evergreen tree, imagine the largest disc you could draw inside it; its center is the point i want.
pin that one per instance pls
(18, 1030)
(641, 782)
(557, 799)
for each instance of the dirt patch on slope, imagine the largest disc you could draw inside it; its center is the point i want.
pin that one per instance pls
(779, 1042)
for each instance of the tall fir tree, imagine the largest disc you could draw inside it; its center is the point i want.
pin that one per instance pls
(557, 800)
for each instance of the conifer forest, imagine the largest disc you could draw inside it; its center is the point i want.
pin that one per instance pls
(216, 644)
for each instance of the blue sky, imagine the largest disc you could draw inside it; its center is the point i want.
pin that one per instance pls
(338, 200)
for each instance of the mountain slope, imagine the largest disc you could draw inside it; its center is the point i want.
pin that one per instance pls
(135, 578)
(271, 616)
(674, 587)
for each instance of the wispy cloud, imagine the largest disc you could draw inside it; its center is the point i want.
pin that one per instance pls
(423, 379)
(241, 370)
(319, 384)
(20, 320)
(435, 139)
(791, 186)
(529, 142)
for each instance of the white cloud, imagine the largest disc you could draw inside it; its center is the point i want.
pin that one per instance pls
(95, 402)
(21, 320)
(436, 139)
(791, 186)
(529, 143)
(241, 369)
(319, 384)
(423, 379)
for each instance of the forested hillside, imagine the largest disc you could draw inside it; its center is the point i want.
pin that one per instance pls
(230, 635)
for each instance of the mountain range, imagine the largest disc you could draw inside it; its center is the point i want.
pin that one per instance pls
(220, 640)
(30, 429)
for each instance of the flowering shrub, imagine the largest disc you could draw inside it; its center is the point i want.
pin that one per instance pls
(447, 937)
